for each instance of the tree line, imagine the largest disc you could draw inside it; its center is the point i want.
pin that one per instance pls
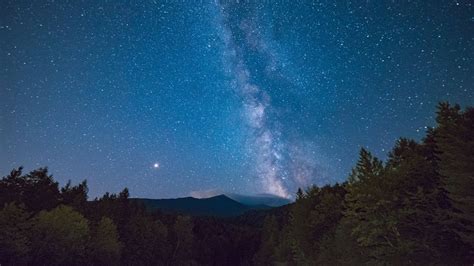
(415, 208)
(43, 224)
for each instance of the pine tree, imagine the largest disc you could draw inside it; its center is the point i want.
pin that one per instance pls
(418, 200)
(369, 209)
(454, 138)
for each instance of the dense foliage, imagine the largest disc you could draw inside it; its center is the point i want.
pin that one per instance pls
(42, 224)
(415, 208)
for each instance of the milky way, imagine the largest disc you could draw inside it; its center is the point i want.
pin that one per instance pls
(223, 96)
(243, 34)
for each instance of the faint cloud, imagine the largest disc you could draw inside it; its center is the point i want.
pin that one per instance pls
(202, 194)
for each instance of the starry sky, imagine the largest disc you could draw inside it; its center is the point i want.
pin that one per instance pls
(177, 98)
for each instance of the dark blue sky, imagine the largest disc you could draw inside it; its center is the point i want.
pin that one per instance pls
(246, 97)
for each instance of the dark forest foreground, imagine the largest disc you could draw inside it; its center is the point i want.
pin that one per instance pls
(415, 208)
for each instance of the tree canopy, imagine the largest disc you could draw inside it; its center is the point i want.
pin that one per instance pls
(416, 207)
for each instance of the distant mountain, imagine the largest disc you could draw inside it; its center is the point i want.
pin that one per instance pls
(260, 199)
(221, 206)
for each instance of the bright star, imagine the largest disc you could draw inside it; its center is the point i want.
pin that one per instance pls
(156, 165)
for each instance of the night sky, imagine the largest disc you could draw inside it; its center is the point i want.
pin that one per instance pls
(178, 98)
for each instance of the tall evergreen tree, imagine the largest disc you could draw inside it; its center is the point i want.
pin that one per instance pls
(370, 210)
(454, 138)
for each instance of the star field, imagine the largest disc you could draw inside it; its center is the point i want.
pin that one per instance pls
(172, 98)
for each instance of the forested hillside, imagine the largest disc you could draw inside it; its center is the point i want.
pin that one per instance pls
(415, 208)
